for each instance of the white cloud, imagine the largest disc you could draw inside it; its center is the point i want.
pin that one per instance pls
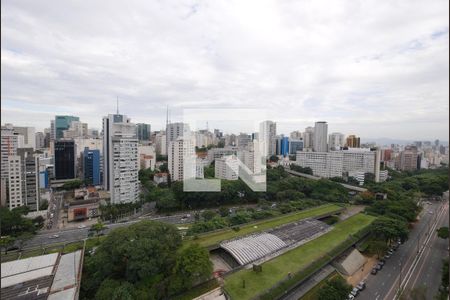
(367, 67)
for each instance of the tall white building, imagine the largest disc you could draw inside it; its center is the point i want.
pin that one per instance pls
(14, 182)
(160, 143)
(267, 135)
(296, 135)
(28, 133)
(336, 140)
(175, 130)
(77, 129)
(40, 140)
(308, 138)
(251, 157)
(227, 167)
(182, 159)
(9, 144)
(120, 159)
(320, 136)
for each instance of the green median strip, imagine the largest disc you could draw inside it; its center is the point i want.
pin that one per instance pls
(211, 239)
(299, 262)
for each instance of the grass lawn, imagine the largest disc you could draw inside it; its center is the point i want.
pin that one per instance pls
(210, 239)
(293, 261)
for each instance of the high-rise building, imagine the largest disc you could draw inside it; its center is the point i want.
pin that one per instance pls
(182, 159)
(52, 131)
(160, 143)
(120, 159)
(76, 129)
(295, 145)
(308, 138)
(320, 136)
(91, 166)
(243, 140)
(251, 157)
(407, 160)
(267, 135)
(14, 182)
(63, 123)
(28, 133)
(40, 140)
(284, 145)
(174, 131)
(336, 141)
(9, 144)
(65, 158)
(227, 167)
(29, 167)
(143, 131)
(353, 141)
(296, 135)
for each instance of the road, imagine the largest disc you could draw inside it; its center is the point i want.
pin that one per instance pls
(76, 234)
(385, 284)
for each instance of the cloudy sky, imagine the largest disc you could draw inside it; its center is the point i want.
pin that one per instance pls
(374, 68)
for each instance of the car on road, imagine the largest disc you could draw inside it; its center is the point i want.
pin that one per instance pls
(354, 292)
(361, 285)
(81, 226)
(382, 262)
(378, 267)
(374, 271)
(387, 256)
(430, 212)
(55, 236)
(390, 252)
(351, 297)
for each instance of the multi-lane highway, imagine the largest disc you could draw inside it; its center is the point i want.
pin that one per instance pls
(418, 261)
(77, 234)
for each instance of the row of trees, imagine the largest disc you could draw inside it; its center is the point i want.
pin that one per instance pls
(16, 228)
(143, 261)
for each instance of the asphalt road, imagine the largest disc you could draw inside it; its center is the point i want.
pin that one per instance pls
(77, 234)
(385, 284)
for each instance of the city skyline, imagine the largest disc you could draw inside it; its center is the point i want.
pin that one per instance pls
(392, 82)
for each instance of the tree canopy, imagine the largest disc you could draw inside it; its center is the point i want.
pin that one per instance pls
(143, 261)
(334, 289)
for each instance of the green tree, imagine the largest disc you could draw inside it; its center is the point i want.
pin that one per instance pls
(43, 205)
(379, 247)
(334, 289)
(389, 229)
(193, 266)
(23, 238)
(443, 232)
(273, 158)
(6, 242)
(98, 227)
(208, 215)
(143, 254)
(111, 289)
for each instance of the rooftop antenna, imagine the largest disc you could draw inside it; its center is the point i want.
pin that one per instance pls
(207, 127)
(167, 116)
(117, 104)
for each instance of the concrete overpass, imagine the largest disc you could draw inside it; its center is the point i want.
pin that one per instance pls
(347, 186)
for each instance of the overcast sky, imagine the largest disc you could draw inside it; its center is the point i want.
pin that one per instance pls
(374, 68)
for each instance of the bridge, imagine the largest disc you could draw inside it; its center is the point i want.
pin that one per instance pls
(347, 186)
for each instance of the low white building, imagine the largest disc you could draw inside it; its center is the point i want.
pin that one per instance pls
(227, 167)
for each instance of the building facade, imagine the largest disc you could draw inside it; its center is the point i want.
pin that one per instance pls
(227, 167)
(120, 159)
(63, 123)
(143, 131)
(320, 136)
(65, 159)
(91, 166)
(182, 159)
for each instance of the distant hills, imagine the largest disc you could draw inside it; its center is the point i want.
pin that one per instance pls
(389, 141)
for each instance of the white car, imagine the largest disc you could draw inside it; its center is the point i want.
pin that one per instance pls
(54, 236)
(81, 226)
